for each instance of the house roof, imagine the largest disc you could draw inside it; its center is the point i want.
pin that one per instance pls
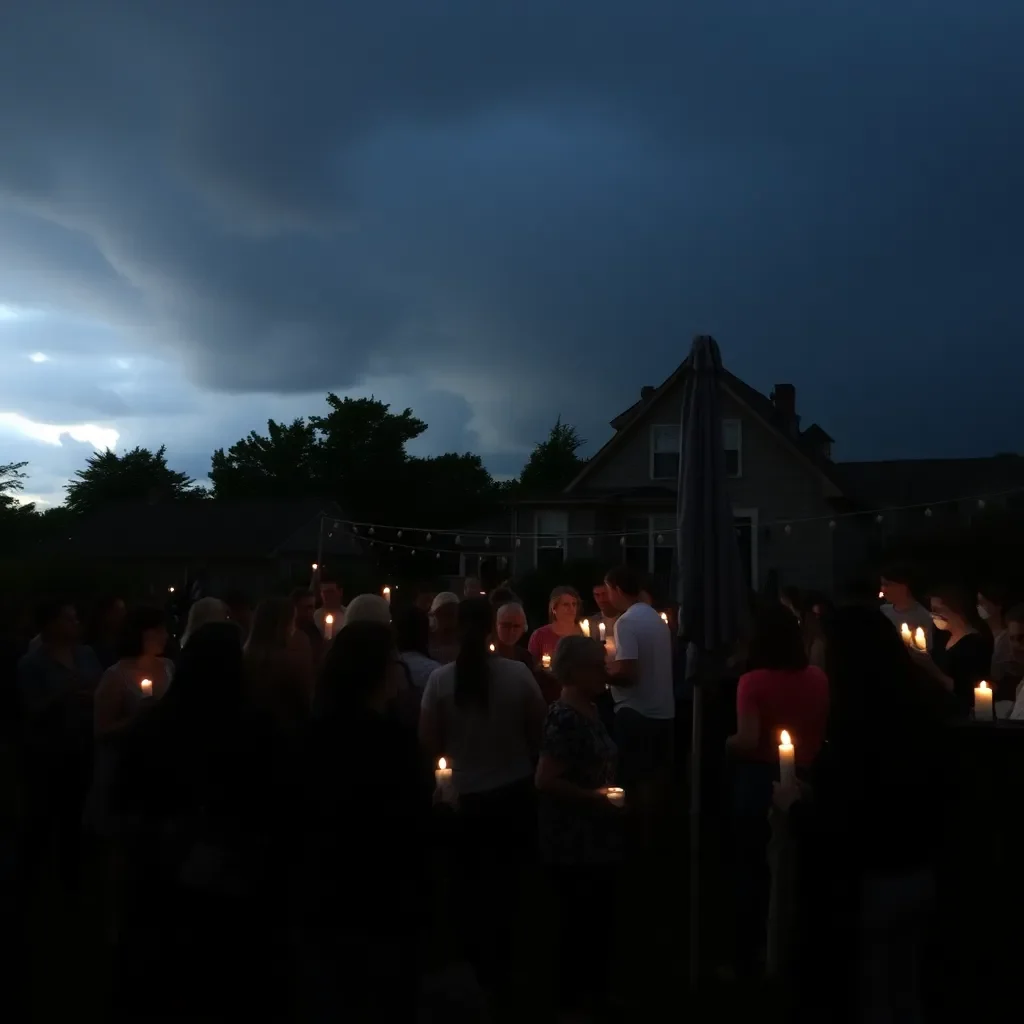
(211, 529)
(816, 434)
(896, 483)
(759, 404)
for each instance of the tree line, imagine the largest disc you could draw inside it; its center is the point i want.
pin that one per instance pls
(354, 454)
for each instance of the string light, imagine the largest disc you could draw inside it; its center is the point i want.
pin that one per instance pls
(428, 536)
(928, 512)
(789, 528)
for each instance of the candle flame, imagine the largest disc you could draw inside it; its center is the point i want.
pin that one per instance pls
(664, 617)
(315, 567)
(387, 590)
(442, 764)
(983, 685)
(492, 648)
(784, 739)
(329, 620)
(881, 595)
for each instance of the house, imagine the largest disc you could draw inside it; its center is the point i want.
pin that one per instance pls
(251, 545)
(783, 485)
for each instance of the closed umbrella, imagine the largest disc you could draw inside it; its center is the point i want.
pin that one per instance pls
(712, 589)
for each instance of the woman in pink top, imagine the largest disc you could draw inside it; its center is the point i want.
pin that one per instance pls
(563, 607)
(779, 690)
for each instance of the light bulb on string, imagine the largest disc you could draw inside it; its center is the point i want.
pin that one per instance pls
(831, 524)
(879, 517)
(928, 512)
(519, 541)
(458, 538)
(590, 542)
(622, 542)
(788, 528)
(399, 534)
(981, 503)
(371, 529)
(487, 541)
(428, 536)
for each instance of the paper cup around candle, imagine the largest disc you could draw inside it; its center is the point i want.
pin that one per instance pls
(545, 660)
(146, 686)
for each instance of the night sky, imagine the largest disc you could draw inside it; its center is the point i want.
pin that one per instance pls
(212, 215)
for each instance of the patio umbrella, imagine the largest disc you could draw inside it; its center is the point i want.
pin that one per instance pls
(712, 589)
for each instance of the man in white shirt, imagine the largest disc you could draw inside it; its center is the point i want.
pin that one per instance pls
(641, 685)
(330, 604)
(900, 604)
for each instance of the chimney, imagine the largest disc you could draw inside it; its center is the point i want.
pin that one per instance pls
(784, 399)
(646, 393)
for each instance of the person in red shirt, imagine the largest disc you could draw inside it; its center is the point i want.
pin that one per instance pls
(779, 690)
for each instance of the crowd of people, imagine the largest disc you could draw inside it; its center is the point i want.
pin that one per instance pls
(283, 802)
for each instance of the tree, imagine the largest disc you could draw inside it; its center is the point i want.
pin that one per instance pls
(354, 454)
(285, 463)
(12, 480)
(138, 475)
(553, 462)
(451, 490)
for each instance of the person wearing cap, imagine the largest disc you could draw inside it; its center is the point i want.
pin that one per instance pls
(444, 627)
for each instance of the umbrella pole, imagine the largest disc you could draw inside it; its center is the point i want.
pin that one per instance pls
(695, 789)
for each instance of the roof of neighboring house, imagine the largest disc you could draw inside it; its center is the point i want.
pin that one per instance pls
(760, 405)
(210, 529)
(906, 482)
(816, 434)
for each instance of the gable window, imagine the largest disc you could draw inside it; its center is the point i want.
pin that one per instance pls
(665, 451)
(666, 446)
(551, 538)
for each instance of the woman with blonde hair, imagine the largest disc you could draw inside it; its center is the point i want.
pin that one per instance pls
(563, 608)
(202, 612)
(278, 663)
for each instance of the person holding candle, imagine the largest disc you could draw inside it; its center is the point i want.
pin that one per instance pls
(965, 656)
(779, 691)
(563, 611)
(900, 605)
(368, 803)
(868, 826)
(608, 612)
(331, 594)
(994, 604)
(485, 714)
(580, 823)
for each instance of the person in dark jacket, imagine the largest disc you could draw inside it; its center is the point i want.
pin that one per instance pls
(868, 827)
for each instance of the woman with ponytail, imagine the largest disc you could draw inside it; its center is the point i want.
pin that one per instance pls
(484, 714)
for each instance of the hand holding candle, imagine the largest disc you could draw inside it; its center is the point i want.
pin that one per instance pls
(787, 760)
(983, 702)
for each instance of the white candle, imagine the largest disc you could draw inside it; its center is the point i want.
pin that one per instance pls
(920, 640)
(585, 626)
(664, 617)
(600, 631)
(328, 627)
(616, 796)
(387, 594)
(908, 637)
(982, 702)
(146, 686)
(545, 660)
(787, 760)
(443, 780)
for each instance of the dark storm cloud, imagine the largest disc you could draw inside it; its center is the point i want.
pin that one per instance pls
(491, 201)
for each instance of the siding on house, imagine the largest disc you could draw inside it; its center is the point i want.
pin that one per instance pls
(777, 485)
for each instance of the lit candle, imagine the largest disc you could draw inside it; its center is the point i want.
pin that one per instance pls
(170, 590)
(545, 660)
(920, 640)
(616, 796)
(600, 631)
(908, 637)
(881, 595)
(585, 626)
(146, 686)
(664, 617)
(387, 594)
(787, 760)
(315, 567)
(443, 781)
(328, 627)
(982, 702)
(491, 648)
